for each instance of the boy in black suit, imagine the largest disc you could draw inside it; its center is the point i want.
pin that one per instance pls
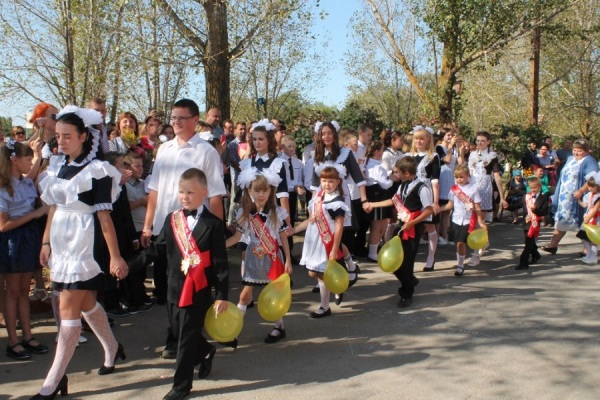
(536, 207)
(193, 268)
(414, 204)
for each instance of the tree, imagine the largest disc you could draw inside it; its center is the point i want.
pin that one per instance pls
(468, 32)
(209, 37)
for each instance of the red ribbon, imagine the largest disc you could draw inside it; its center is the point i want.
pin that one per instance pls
(327, 237)
(534, 228)
(462, 196)
(195, 279)
(270, 244)
(405, 215)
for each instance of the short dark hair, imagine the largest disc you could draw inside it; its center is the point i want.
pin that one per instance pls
(407, 164)
(189, 104)
(194, 173)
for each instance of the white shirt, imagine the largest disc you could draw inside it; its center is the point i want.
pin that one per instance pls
(377, 175)
(171, 161)
(461, 214)
(389, 158)
(298, 168)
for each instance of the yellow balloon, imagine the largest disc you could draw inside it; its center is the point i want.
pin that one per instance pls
(225, 326)
(478, 239)
(593, 232)
(275, 299)
(391, 255)
(335, 277)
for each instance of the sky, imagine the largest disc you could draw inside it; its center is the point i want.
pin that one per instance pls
(334, 84)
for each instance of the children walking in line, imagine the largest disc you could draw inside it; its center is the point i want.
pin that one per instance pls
(591, 202)
(324, 229)
(464, 200)
(262, 222)
(414, 203)
(536, 207)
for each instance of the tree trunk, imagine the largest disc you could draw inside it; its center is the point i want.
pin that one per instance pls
(446, 86)
(534, 83)
(216, 58)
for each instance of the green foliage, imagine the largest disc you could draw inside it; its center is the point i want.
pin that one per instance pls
(512, 140)
(353, 115)
(5, 124)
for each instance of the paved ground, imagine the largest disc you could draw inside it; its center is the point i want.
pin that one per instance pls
(494, 333)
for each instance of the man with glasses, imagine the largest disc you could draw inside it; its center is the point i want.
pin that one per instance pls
(186, 150)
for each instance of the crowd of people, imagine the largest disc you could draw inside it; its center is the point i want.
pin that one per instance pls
(100, 203)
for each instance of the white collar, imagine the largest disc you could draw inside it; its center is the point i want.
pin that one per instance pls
(264, 157)
(330, 196)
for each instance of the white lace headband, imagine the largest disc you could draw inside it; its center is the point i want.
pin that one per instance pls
(339, 168)
(265, 123)
(89, 117)
(248, 176)
(595, 175)
(10, 144)
(423, 128)
(335, 124)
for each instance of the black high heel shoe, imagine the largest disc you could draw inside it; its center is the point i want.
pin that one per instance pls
(551, 250)
(109, 370)
(62, 388)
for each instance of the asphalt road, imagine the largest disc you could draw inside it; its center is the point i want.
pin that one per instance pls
(494, 333)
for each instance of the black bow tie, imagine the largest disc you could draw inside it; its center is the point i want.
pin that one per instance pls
(189, 213)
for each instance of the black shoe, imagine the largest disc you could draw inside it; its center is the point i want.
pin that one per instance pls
(39, 349)
(109, 370)
(275, 338)
(403, 303)
(232, 343)
(581, 254)
(355, 279)
(425, 269)
(176, 394)
(250, 305)
(551, 250)
(535, 259)
(521, 267)
(117, 312)
(63, 388)
(139, 309)
(415, 281)
(339, 298)
(17, 355)
(316, 289)
(459, 271)
(169, 354)
(206, 364)
(324, 313)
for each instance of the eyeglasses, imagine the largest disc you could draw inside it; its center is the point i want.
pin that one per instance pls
(180, 119)
(19, 133)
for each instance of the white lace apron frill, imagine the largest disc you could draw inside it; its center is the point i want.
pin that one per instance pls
(72, 230)
(314, 256)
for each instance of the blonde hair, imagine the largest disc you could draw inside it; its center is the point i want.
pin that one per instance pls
(423, 134)
(461, 169)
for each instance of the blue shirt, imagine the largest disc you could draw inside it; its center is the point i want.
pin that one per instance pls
(23, 200)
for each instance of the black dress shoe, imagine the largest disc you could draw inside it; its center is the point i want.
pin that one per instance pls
(275, 338)
(62, 387)
(322, 314)
(168, 354)
(430, 269)
(521, 267)
(551, 250)
(316, 289)
(206, 365)
(250, 305)
(38, 349)
(339, 298)
(109, 370)
(17, 355)
(403, 303)
(232, 343)
(176, 394)
(535, 259)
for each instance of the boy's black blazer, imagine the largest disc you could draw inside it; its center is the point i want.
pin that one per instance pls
(209, 234)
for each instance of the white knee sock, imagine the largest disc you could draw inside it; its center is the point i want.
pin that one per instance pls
(98, 321)
(325, 294)
(350, 263)
(593, 252)
(461, 260)
(433, 238)
(373, 251)
(67, 343)
(242, 308)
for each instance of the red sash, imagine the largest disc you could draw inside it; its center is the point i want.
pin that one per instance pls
(468, 202)
(268, 246)
(323, 226)
(534, 229)
(405, 215)
(193, 261)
